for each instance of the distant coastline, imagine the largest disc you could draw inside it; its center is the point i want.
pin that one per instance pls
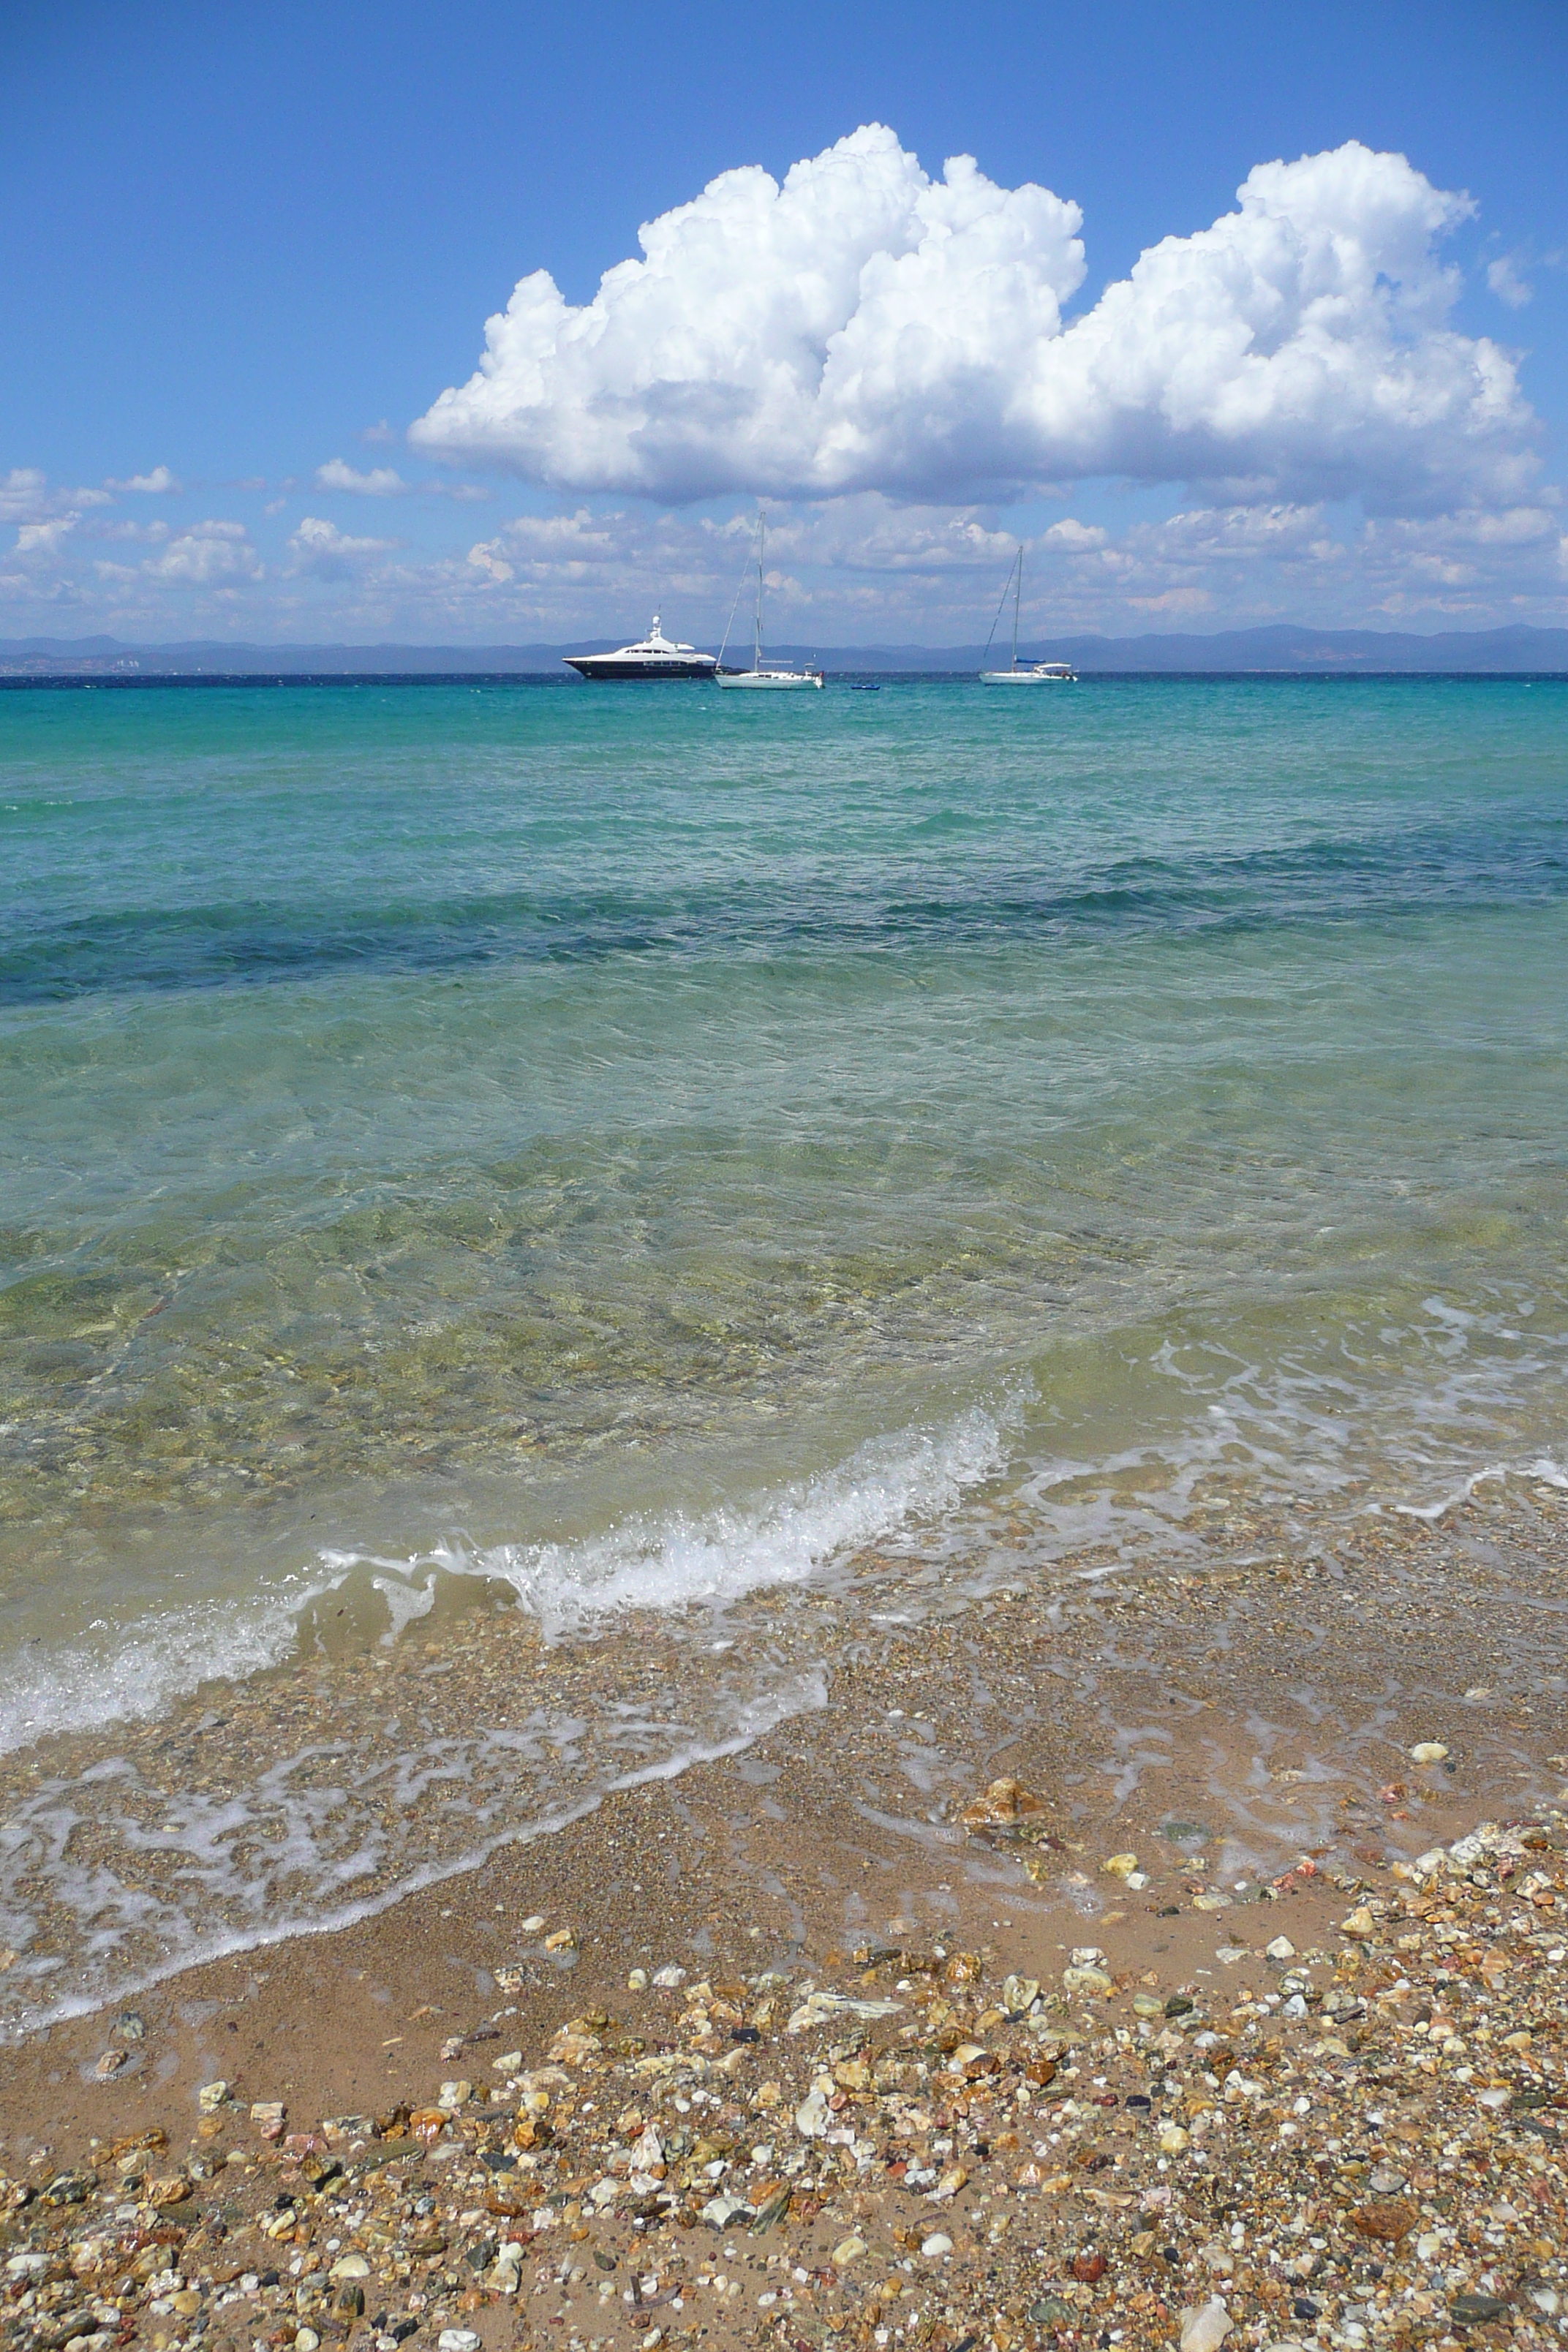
(1279, 649)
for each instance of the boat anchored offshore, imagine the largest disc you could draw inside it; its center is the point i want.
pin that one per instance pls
(766, 676)
(1023, 673)
(654, 658)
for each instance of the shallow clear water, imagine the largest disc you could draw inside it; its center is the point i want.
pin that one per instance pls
(638, 1148)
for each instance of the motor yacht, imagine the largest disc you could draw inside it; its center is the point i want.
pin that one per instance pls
(654, 657)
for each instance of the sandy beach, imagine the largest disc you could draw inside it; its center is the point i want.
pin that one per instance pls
(1080, 2097)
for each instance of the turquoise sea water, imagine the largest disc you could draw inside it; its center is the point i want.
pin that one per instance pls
(633, 1148)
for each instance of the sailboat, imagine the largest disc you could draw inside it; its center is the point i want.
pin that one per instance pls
(1023, 673)
(777, 676)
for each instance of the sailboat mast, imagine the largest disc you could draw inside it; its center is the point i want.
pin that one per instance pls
(1017, 600)
(757, 641)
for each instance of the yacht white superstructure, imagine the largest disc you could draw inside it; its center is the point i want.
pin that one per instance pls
(1023, 673)
(654, 658)
(765, 677)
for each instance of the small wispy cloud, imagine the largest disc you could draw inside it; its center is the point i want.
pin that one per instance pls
(380, 482)
(209, 554)
(386, 482)
(323, 551)
(1504, 278)
(23, 494)
(45, 516)
(158, 484)
(44, 538)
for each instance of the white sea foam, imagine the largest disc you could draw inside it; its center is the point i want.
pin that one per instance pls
(1417, 1440)
(178, 1874)
(188, 1940)
(138, 1675)
(666, 1565)
(678, 1562)
(316, 1834)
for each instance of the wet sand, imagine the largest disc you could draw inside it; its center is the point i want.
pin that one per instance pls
(1226, 1729)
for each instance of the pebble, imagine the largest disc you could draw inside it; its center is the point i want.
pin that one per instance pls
(1429, 1751)
(904, 2074)
(533, 1925)
(721, 2211)
(211, 2096)
(1007, 1808)
(1205, 2328)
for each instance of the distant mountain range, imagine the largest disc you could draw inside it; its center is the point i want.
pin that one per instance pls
(1278, 648)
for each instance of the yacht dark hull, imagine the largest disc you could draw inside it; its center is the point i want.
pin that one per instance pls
(605, 669)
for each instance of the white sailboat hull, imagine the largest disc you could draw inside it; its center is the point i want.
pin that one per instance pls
(1024, 678)
(768, 681)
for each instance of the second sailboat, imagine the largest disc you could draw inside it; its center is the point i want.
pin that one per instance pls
(1037, 673)
(779, 676)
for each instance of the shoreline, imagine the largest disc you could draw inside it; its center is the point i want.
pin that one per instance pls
(1163, 1645)
(414, 1761)
(1266, 1705)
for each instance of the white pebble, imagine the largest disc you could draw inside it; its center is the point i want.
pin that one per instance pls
(1206, 2326)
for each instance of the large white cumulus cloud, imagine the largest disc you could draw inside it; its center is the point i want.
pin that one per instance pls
(865, 327)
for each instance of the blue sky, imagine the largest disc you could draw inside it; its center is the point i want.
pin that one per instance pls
(240, 245)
